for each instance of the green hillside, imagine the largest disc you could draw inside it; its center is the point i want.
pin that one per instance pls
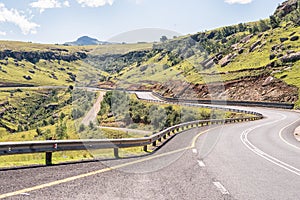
(257, 61)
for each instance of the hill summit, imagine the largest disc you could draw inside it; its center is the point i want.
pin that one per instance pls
(85, 40)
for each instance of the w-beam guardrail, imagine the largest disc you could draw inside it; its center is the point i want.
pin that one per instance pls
(227, 102)
(50, 146)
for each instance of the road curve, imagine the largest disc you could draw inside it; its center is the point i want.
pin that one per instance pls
(253, 160)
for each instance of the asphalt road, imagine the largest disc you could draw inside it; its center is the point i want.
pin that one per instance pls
(253, 160)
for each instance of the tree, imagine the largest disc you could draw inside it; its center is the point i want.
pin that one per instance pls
(81, 128)
(263, 26)
(163, 38)
(91, 125)
(241, 27)
(62, 116)
(61, 130)
(254, 29)
(20, 128)
(273, 22)
(39, 131)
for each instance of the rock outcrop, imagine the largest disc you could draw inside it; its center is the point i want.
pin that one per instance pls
(293, 57)
(286, 7)
(35, 56)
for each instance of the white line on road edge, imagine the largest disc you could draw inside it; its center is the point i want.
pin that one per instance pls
(281, 137)
(221, 187)
(201, 163)
(249, 145)
(194, 151)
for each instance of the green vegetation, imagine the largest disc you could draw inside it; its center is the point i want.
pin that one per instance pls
(120, 109)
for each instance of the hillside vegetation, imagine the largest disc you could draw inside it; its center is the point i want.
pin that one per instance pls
(256, 61)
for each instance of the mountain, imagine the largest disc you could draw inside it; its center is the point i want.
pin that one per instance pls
(85, 40)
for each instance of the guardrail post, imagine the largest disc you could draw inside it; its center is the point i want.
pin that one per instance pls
(48, 158)
(145, 148)
(154, 143)
(116, 152)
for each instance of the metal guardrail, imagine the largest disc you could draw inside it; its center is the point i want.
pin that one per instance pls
(228, 102)
(50, 146)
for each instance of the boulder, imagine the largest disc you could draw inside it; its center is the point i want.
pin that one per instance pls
(272, 56)
(294, 38)
(241, 51)
(253, 46)
(27, 77)
(227, 59)
(246, 38)
(293, 57)
(283, 39)
(268, 81)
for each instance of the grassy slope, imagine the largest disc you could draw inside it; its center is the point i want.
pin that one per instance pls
(44, 70)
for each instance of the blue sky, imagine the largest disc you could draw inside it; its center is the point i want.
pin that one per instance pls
(58, 21)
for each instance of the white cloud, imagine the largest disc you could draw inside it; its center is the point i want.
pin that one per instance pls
(14, 16)
(42, 5)
(139, 1)
(238, 1)
(94, 3)
(66, 3)
(2, 33)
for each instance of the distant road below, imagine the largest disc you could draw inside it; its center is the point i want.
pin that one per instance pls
(92, 113)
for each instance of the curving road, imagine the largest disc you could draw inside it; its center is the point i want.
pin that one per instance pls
(253, 160)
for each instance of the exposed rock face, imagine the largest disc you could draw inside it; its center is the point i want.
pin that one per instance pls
(227, 59)
(35, 56)
(246, 38)
(286, 7)
(263, 88)
(208, 63)
(253, 46)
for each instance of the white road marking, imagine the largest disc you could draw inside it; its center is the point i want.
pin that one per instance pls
(280, 135)
(249, 145)
(201, 163)
(25, 194)
(221, 187)
(194, 151)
